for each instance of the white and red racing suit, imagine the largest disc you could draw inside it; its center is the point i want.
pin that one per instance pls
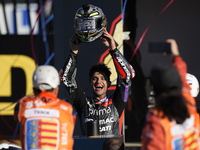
(107, 111)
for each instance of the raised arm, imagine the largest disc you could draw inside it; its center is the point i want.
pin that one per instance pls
(68, 74)
(180, 65)
(124, 70)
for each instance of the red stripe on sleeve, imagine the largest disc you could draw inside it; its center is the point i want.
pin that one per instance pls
(121, 122)
(123, 75)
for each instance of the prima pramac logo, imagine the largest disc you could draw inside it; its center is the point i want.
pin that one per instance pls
(116, 31)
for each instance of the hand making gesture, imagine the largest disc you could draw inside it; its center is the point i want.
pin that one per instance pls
(75, 44)
(108, 40)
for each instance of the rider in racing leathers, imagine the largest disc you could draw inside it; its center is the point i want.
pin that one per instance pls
(108, 111)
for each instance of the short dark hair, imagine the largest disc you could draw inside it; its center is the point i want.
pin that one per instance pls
(113, 144)
(101, 68)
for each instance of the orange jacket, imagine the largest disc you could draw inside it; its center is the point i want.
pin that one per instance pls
(46, 122)
(161, 134)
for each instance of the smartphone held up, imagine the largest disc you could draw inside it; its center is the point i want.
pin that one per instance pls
(159, 47)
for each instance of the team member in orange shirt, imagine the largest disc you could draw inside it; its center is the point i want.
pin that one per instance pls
(174, 122)
(46, 122)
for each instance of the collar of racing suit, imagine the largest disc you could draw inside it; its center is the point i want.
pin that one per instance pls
(104, 101)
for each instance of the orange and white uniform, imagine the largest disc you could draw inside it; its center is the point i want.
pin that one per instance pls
(46, 122)
(161, 134)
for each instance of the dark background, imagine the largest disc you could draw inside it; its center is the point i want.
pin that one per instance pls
(179, 21)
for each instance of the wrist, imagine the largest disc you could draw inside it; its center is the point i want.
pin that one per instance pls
(113, 51)
(74, 51)
(175, 55)
(113, 46)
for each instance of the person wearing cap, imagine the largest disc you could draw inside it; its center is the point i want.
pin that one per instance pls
(46, 122)
(174, 122)
(106, 110)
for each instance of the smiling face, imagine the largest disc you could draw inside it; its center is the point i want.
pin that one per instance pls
(99, 85)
